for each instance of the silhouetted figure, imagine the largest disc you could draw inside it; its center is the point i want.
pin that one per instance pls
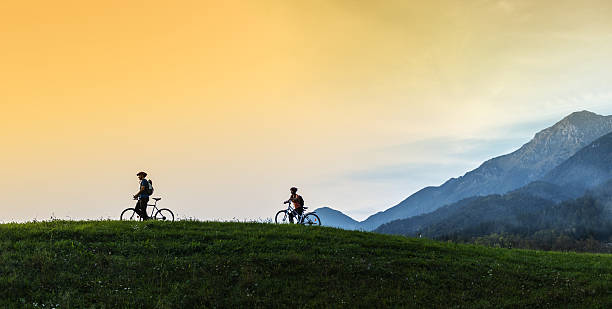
(298, 203)
(142, 196)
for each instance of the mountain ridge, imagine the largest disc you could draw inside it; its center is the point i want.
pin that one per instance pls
(546, 150)
(588, 169)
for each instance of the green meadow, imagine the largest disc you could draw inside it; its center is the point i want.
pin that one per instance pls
(189, 264)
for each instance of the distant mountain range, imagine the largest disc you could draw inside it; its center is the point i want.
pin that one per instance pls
(518, 212)
(588, 169)
(540, 169)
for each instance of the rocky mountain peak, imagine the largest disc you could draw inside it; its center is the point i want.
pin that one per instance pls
(580, 117)
(575, 128)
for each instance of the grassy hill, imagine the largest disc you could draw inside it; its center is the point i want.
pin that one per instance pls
(109, 264)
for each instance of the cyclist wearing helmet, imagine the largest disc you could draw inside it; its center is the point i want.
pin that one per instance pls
(142, 196)
(298, 203)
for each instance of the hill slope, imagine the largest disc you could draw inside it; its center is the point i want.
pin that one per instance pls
(510, 209)
(192, 264)
(549, 148)
(587, 168)
(514, 213)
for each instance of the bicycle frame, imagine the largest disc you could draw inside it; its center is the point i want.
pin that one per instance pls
(291, 210)
(154, 208)
(300, 218)
(156, 213)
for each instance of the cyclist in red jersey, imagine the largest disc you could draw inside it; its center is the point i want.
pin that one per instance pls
(298, 203)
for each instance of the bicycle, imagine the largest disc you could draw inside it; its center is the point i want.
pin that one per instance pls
(163, 214)
(308, 218)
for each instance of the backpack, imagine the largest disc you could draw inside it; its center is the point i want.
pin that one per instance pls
(300, 200)
(149, 190)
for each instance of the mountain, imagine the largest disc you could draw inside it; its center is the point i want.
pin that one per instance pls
(549, 148)
(470, 213)
(549, 191)
(516, 213)
(588, 169)
(333, 218)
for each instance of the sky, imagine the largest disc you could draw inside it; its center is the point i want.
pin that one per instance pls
(227, 104)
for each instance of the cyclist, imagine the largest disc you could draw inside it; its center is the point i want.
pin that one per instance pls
(298, 203)
(142, 196)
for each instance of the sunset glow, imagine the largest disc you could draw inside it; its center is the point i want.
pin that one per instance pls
(227, 104)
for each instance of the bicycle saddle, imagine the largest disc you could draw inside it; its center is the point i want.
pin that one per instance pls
(157, 198)
(305, 208)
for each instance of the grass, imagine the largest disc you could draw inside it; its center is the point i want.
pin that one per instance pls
(110, 264)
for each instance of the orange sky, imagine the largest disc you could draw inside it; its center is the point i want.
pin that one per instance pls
(225, 102)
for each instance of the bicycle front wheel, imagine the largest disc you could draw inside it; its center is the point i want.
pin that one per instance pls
(164, 214)
(129, 215)
(282, 217)
(311, 219)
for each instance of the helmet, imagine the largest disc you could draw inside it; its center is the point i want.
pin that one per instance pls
(293, 189)
(142, 173)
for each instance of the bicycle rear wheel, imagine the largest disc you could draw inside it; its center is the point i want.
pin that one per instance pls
(164, 214)
(282, 217)
(311, 219)
(129, 214)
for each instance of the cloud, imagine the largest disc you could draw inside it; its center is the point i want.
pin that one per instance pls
(400, 171)
(436, 159)
(458, 149)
